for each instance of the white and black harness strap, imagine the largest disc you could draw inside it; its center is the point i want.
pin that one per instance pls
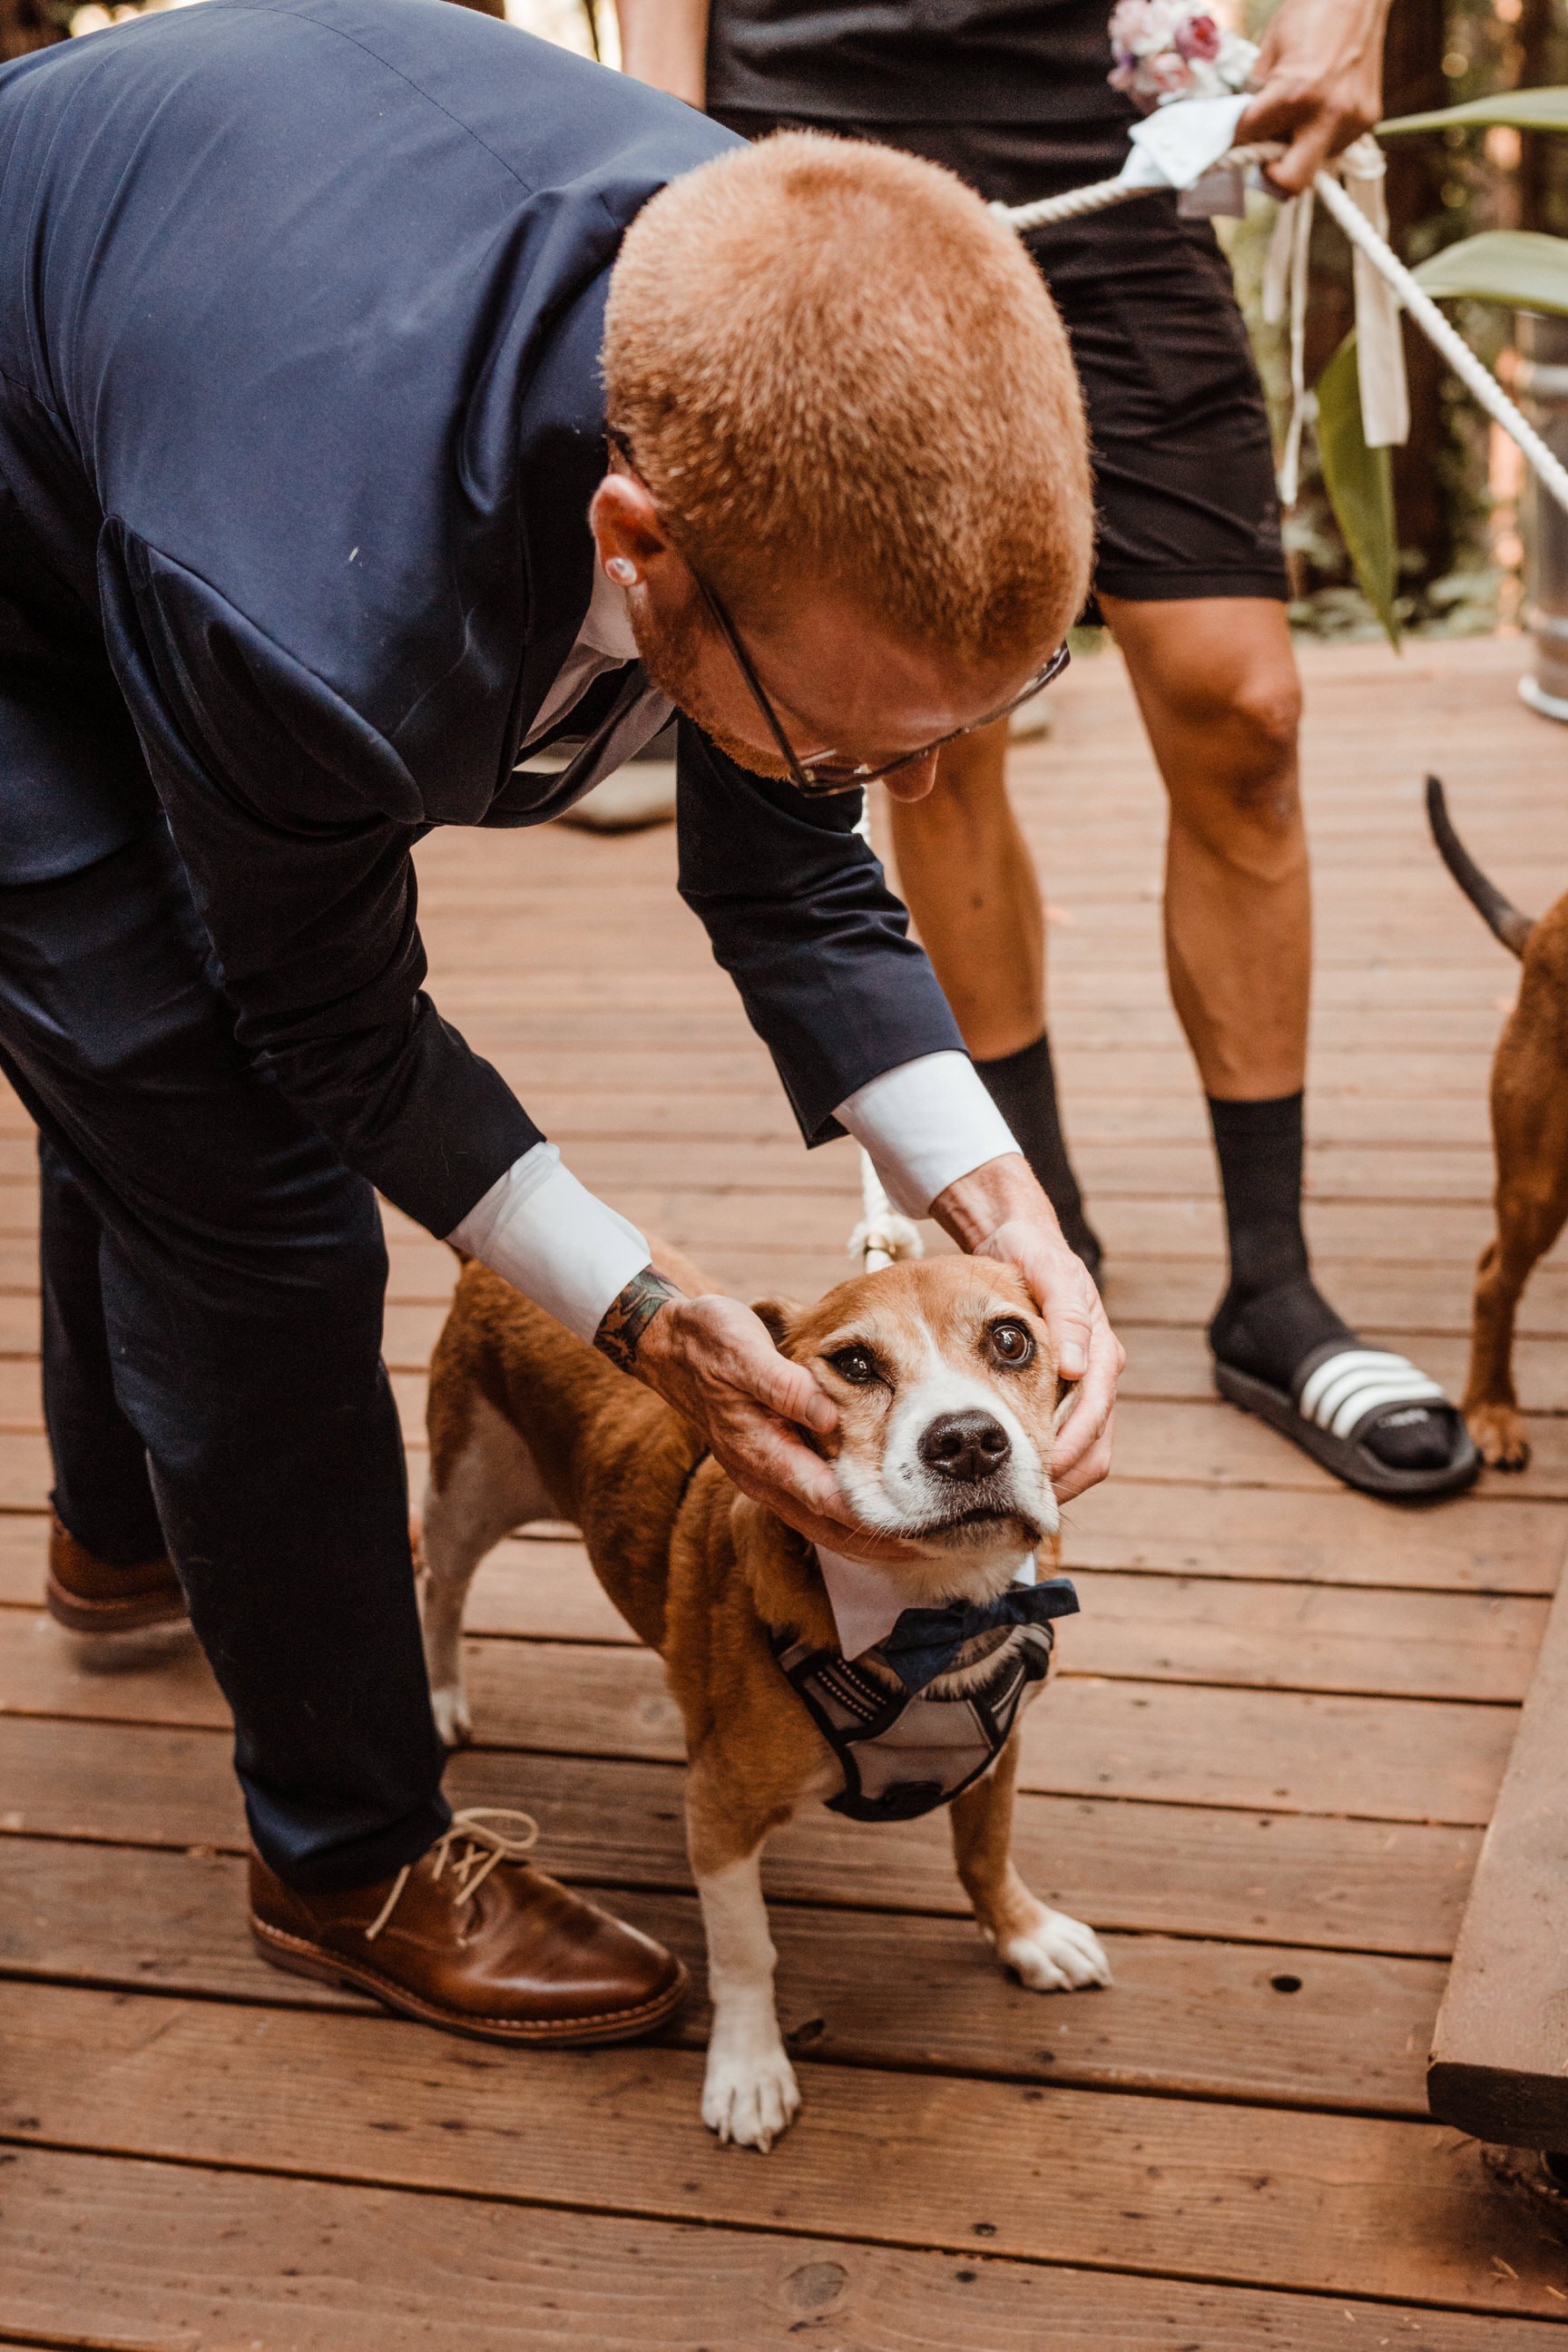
(1342, 1390)
(903, 1753)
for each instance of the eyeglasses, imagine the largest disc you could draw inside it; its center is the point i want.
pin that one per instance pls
(825, 773)
(828, 772)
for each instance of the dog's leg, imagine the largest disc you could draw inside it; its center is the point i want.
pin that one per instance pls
(1526, 1231)
(490, 1487)
(1529, 1133)
(749, 2093)
(1049, 1950)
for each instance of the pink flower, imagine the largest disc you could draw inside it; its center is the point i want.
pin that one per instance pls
(1199, 37)
(1167, 75)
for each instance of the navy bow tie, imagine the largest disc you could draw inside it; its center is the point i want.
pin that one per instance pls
(924, 1642)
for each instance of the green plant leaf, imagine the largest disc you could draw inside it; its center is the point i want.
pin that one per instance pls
(1359, 484)
(1519, 110)
(1516, 266)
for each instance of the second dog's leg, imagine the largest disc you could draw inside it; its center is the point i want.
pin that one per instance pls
(749, 2094)
(1530, 1139)
(490, 1487)
(1527, 1227)
(1050, 1951)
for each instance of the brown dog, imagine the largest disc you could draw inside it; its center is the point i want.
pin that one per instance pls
(1530, 1139)
(947, 1395)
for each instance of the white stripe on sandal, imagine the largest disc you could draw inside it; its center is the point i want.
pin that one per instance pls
(1343, 1389)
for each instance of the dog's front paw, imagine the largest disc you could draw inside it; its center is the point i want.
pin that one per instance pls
(1056, 1953)
(749, 2097)
(450, 1705)
(1500, 1436)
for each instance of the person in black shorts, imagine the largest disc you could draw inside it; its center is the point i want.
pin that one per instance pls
(1013, 96)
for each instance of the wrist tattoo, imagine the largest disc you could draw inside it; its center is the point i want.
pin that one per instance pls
(628, 1317)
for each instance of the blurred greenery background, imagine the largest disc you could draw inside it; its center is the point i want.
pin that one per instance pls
(1457, 482)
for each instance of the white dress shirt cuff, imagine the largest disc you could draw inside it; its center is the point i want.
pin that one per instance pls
(926, 1124)
(547, 1235)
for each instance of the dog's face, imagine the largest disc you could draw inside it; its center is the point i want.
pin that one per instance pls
(947, 1397)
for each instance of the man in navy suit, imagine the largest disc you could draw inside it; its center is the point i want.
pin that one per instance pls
(383, 396)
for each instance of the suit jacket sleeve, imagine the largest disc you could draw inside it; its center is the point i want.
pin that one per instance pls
(799, 916)
(296, 821)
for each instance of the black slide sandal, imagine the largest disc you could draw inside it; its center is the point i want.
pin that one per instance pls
(1340, 1394)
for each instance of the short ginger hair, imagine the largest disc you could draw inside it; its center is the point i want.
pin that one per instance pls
(827, 359)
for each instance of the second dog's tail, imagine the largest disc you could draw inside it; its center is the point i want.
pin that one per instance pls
(1500, 914)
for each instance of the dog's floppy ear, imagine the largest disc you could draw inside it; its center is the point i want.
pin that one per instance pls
(779, 1315)
(1066, 1391)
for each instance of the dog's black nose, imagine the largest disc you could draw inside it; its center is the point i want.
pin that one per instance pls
(964, 1447)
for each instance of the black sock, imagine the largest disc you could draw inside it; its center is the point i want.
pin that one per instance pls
(1273, 1316)
(1023, 1086)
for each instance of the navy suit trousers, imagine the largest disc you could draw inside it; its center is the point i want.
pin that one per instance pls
(213, 1295)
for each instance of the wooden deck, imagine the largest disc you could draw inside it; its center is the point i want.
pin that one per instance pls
(1264, 1771)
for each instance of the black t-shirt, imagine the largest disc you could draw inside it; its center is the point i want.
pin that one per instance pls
(1025, 61)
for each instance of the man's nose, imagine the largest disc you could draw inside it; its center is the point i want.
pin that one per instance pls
(964, 1447)
(913, 783)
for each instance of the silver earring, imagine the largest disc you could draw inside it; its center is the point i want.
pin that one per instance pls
(621, 570)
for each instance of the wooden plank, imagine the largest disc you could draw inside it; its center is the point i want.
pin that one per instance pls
(1445, 1240)
(1212, 1444)
(1499, 2058)
(1174, 1363)
(1261, 1878)
(1269, 2197)
(1486, 1543)
(1287, 1637)
(1209, 2020)
(1291, 1751)
(107, 2251)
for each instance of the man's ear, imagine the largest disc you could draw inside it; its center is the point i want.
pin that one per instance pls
(779, 1315)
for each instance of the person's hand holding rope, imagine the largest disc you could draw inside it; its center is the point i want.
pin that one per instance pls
(1319, 78)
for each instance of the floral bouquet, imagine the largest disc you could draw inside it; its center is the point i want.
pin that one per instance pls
(1175, 49)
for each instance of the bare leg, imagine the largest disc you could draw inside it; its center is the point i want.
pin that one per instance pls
(1216, 681)
(1049, 1951)
(749, 2093)
(969, 881)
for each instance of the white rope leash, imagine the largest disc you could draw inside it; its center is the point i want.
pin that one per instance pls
(1475, 378)
(1102, 194)
(1099, 194)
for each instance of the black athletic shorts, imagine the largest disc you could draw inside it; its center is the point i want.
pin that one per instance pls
(1183, 465)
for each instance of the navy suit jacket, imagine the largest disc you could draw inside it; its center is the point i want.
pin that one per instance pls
(301, 304)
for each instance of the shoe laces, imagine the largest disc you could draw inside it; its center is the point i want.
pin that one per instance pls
(478, 1841)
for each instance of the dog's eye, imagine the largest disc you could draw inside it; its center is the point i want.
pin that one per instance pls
(1012, 1345)
(856, 1365)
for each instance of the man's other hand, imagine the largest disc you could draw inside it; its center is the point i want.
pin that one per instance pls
(1000, 1211)
(1319, 84)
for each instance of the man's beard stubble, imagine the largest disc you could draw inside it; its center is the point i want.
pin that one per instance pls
(671, 659)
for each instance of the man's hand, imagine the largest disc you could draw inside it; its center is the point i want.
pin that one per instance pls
(1319, 84)
(1000, 1211)
(715, 1362)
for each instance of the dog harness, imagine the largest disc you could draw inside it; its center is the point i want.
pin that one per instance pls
(904, 1752)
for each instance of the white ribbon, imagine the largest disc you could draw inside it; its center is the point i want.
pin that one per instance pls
(1380, 345)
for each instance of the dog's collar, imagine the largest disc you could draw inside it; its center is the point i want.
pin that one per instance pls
(868, 1601)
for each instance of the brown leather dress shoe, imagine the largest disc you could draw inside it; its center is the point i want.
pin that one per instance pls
(472, 1937)
(91, 1597)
